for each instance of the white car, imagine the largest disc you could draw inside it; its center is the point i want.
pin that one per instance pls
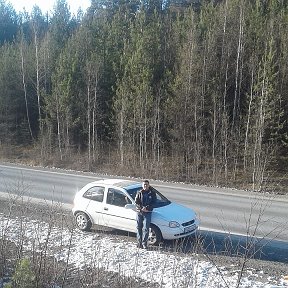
(111, 203)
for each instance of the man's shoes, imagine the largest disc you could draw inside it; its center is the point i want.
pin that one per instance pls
(139, 245)
(145, 246)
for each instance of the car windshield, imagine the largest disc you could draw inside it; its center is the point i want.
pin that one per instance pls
(160, 201)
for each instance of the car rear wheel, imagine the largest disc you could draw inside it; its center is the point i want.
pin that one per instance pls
(83, 221)
(155, 236)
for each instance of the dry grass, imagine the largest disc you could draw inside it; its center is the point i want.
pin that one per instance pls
(168, 169)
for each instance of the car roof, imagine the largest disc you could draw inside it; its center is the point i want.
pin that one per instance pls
(121, 183)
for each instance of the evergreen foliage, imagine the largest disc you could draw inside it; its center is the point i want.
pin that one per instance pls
(198, 94)
(23, 276)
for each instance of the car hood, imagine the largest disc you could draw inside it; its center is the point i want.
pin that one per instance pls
(175, 212)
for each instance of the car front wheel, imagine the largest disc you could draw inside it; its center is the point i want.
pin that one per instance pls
(83, 222)
(155, 236)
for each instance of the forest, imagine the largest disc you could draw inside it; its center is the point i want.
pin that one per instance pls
(192, 91)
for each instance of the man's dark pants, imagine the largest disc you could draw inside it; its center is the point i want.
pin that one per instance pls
(143, 224)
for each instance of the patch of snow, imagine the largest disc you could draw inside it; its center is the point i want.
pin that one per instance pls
(97, 250)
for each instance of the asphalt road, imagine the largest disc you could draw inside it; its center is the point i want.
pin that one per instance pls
(221, 211)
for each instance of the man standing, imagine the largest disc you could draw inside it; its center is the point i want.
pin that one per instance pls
(145, 199)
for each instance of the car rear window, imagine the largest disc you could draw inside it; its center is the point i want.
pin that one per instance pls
(95, 193)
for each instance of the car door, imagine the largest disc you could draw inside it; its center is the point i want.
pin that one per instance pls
(115, 214)
(95, 195)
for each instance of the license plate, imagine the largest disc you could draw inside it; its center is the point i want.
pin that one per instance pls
(190, 228)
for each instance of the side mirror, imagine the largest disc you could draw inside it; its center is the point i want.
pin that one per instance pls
(130, 206)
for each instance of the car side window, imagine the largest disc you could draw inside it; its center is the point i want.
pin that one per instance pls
(117, 198)
(95, 193)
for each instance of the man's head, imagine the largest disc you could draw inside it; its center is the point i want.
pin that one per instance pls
(145, 185)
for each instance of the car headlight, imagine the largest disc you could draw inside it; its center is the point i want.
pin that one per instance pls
(173, 224)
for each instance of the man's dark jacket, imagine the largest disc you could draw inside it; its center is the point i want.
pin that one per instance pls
(150, 199)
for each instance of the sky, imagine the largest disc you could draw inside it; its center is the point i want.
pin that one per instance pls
(169, 270)
(47, 5)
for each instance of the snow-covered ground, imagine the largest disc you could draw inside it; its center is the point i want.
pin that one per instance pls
(121, 256)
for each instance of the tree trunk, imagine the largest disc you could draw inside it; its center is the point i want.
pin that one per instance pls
(89, 122)
(38, 78)
(245, 154)
(94, 122)
(239, 48)
(58, 127)
(24, 85)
